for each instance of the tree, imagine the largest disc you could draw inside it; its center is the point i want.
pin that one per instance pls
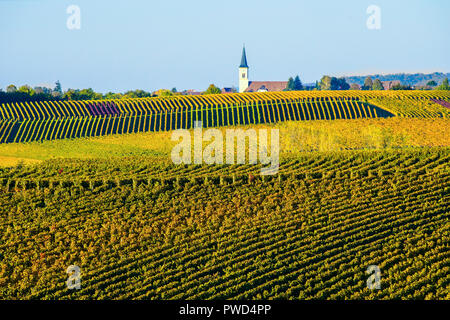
(333, 83)
(137, 94)
(377, 85)
(290, 84)
(368, 84)
(26, 89)
(11, 88)
(432, 83)
(355, 86)
(444, 85)
(130, 95)
(88, 94)
(174, 90)
(84, 94)
(339, 84)
(44, 90)
(297, 83)
(163, 93)
(325, 83)
(58, 87)
(212, 89)
(39, 90)
(112, 95)
(69, 94)
(401, 87)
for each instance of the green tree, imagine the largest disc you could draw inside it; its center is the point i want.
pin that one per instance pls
(27, 90)
(368, 84)
(84, 94)
(163, 93)
(297, 83)
(39, 90)
(129, 95)
(290, 84)
(377, 85)
(325, 83)
(11, 88)
(339, 84)
(401, 87)
(58, 87)
(112, 95)
(137, 94)
(333, 83)
(212, 89)
(88, 94)
(432, 83)
(69, 94)
(444, 85)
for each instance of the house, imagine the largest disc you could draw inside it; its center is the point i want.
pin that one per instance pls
(266, 86)
(191, 93)
(228, 90)
(355, 86)
(387, 85)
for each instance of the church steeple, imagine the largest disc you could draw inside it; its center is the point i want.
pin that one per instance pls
(243, 72)
(243, 59)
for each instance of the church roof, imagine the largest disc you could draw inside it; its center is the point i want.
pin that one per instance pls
(270, 86)
(243, 59)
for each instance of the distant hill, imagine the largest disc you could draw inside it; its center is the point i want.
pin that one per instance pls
(412, 79)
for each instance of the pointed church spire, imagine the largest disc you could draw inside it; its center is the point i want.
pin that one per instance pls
(243, 59)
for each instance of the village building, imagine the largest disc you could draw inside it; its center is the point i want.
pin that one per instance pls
(387, 85)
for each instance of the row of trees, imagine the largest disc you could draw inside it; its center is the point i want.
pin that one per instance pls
(333, 83)
(294, 84)
(372, 85)
(27, 93)
(377, 85)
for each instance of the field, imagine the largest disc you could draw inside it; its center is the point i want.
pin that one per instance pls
(310, 232)
(39, 121)
(352, 191)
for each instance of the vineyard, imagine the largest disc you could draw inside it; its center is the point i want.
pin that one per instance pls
(295, 137)
(366, 183)
(144, 231)
(442, 103)
(49, 120)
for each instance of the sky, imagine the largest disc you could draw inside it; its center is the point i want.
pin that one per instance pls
(153, 44)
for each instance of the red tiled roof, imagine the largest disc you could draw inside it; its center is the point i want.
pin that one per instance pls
(192, 93)
(270, 86)
(389, 84)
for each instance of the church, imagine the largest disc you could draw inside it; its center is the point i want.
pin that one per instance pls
(256, 86)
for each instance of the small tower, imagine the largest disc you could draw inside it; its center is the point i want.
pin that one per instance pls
(243, 72)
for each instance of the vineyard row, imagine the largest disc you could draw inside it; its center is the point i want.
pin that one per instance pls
(91, 126)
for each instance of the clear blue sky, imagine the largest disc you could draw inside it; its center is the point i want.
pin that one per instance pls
(153, 44)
